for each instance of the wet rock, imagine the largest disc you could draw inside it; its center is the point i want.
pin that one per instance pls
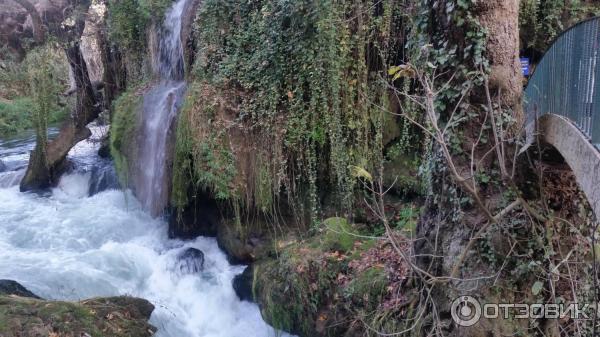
(2, 166)
(243, 248)
(200, 218)
(104, 151)
(242, 284)
(112, 316)
(190, 261)
(10, 287)
(102, 179)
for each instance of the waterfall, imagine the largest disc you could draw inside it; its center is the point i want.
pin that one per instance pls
(160, 107)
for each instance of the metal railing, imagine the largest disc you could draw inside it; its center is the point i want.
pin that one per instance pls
(566, 82)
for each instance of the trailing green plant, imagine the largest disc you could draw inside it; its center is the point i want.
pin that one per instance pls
(129, 20)
(463, 58)
(44, 91)
(308, 79)
(541, 21)
(204, 162)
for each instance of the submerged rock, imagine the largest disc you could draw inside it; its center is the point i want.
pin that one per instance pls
(102, 179)
(243, 283)
(112, 316)
(2, 166)
(10, 287)
(190, 261)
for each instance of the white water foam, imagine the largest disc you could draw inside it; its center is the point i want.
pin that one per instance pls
(70, 246)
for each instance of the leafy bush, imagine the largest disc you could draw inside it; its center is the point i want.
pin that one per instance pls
(129, 20)
(15, 115)
(32, 91)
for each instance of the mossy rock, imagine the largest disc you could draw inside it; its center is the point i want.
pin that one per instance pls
(338, 235)
(368, 287)
(123, 131)
(402, 172)
(114, 316)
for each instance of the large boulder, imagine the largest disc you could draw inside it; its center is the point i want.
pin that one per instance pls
(243, 284)
(22, 313)
(102, 179)
(190, 261)
(244, 246)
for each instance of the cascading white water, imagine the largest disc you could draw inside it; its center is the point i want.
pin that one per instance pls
(68, 245)
(160, 107)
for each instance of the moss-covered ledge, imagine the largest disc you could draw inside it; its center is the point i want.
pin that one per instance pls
(113, 316)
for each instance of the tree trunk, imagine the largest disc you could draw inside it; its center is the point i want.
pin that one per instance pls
(45, 166)
(449, 223)
(114, 72)
(500, 18)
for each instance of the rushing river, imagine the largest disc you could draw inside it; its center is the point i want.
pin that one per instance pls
(65, 244)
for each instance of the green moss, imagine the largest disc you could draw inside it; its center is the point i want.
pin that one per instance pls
(122, 131)
(129, 20)
(338, 235)
(203, 158)
(303, 285)
(293, 305)
(368, 287)
(117, 317)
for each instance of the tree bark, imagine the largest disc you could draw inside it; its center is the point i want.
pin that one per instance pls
(45, 166)
(448, 223)
(500, 18)
(114, 76)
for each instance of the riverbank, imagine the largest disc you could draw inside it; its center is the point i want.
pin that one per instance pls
(24, 314)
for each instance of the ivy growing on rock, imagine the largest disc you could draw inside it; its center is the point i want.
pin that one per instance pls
(307, 79)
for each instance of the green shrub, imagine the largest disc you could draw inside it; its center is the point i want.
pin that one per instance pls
(15, 115)
(31, 90)
(129, 20)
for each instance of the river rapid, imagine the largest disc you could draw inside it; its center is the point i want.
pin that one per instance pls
(66, 245)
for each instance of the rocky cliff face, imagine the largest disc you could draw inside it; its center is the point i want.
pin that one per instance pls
(16, 29)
